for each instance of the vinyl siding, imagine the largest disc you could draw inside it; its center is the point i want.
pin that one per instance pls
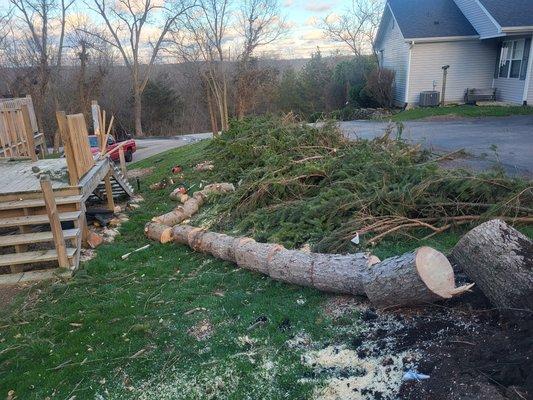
(478, 18)
(509, 90)
(395, 56)
(471, 66)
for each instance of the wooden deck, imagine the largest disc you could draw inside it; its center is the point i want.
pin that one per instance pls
(22, 176)
(25, 212)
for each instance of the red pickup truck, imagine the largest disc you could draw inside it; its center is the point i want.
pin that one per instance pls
(129, 147)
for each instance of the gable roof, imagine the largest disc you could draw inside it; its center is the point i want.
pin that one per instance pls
(431, 19)
(510, 13)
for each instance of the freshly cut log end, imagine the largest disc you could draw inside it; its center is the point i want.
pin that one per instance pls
(159, 232)
(499, 259)
(424, 275)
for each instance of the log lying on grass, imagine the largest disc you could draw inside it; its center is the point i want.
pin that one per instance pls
(192, 204)
(424, 275)
(159, 232)
(499, 259)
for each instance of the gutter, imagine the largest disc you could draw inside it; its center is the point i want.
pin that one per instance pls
(517, 28)
(441, 39)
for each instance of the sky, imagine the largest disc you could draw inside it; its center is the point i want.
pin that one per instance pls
(304, 16)
(303, 35)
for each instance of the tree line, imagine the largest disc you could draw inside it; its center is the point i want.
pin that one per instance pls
(166, 66)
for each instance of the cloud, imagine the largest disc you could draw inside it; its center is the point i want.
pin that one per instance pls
(332, 18)
(317, 6)
(315, 34)
(288, 3)
(311, 21)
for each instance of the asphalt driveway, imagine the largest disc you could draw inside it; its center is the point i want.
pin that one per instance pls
(509, 139)
(150, 146)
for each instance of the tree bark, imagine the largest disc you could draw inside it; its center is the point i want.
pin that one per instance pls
(422, 276)
(499, 259)
(137, 112)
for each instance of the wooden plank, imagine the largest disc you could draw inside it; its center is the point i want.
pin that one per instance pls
(78, 135)
(109, 192)
(122, 162)
(33, 203)
(91, 181)
(36, 237)
(70, 155)
(30, 257)
(29, 132)
(33, 276)
(37, 219)
(55, 223)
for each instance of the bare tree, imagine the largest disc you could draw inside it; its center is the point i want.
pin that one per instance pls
(127, 22)
(36, 46)
(94, 57)
(203, 43)
(260, 24)
(356, 27)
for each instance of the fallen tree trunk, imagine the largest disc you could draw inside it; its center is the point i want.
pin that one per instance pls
(421, 276)
(192, 204)
(499, 259)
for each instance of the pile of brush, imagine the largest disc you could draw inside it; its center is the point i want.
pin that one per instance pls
(300, 184)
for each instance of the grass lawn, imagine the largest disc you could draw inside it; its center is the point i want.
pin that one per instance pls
(121, 329)
(462, 111)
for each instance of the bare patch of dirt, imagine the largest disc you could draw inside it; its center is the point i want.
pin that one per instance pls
(469, 350)
(8, 293)
(202, 330)
(140, 172)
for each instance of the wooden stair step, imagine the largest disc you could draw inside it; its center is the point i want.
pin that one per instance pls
(37, 219)
(34, 276)
(37, 237)
(32, 203)
(30, 257)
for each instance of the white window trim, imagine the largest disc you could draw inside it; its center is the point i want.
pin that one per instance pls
(510, 51)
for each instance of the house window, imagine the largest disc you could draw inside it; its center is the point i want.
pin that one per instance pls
(511, 56)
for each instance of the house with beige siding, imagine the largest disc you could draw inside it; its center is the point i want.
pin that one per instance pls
(482, 44)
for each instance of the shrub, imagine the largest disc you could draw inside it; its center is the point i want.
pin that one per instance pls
(379, 85)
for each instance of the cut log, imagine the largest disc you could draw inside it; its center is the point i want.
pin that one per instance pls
(499, 259)
(422, 276)
(159, 232)
(191, 205)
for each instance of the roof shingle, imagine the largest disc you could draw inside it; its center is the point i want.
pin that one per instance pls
(431, 18)
(510, 12)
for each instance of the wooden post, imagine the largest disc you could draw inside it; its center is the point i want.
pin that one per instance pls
(55, 223)
(122, 162)
(444, 76)
(28, 130)
(109, 191)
